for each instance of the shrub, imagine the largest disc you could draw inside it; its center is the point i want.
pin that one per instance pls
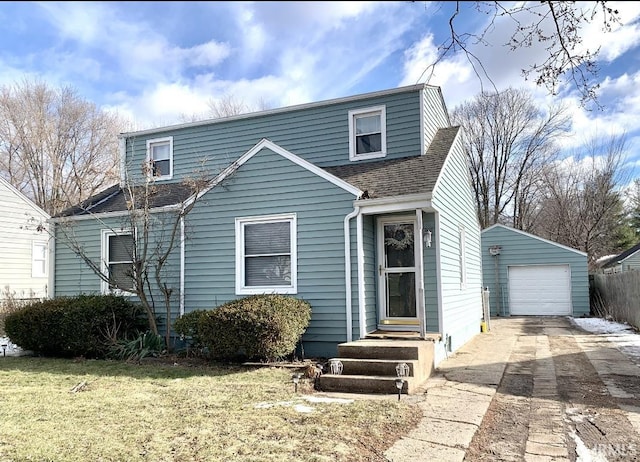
(187, 327)
(260, 327)
(86, 325)
(145, 345)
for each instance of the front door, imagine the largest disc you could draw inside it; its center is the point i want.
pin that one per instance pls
(397, 271)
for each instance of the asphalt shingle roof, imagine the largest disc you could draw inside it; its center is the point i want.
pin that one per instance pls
(397, 177)
(386, 178)
(114, 199)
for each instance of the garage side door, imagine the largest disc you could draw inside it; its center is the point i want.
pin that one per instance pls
(540, 290)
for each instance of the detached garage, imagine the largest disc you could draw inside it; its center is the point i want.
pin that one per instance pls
(530, 276)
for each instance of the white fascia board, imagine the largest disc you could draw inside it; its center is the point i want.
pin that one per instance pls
(524, 233)
(119, 213)
(266, 144)
(407, 202)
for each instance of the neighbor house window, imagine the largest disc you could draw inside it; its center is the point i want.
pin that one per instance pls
(39, 259)
(160, 158)
(463, 258)
(117, 261)
(367, 133)
(266, 255)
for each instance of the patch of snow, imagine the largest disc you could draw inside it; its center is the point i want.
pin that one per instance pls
(584, 454)
(11, 349)
(624, 336)
(320, 399)
(268, 405)
(303, 408)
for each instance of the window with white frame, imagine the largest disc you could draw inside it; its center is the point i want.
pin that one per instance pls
(117, 261)
(160, 157)
(266, 255)
(367, 133)
(39, 259)
(463, 257)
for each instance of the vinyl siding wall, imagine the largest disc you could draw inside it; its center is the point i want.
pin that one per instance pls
(319, 135)
(434, 113)
(19, 218)
(430, 276)
(269, 184)
(73, 276)
(632, 263)
(461, 304)
(522, 249)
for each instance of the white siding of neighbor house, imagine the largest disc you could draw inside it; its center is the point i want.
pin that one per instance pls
(18, 220)
(461, 304)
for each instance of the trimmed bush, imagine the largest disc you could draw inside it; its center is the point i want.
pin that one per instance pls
(187, 327)
(86, 325)
(259, 327)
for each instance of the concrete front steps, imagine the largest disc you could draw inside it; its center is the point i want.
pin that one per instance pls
(369, 366)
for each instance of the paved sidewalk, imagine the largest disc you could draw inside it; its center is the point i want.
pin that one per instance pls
(533, 389)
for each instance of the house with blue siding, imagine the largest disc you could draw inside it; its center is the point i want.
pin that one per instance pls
(360, 205)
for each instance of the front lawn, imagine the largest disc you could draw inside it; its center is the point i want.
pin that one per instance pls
(158, 412)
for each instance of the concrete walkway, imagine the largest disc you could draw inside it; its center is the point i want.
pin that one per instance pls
(533, 389)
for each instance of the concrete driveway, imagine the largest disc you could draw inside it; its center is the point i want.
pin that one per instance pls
(532, 389)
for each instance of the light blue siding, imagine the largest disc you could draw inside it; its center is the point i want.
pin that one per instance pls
(434, 113)
(73, 276)
(215, 145)
(370, 271)
(519, 248)
(269, 184)
(452, 198)
(430, 276)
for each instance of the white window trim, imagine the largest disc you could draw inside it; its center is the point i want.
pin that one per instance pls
(34, 268)
(150, 160)
(463, 257)
(106, 233)
(241, 289)
(381, 110)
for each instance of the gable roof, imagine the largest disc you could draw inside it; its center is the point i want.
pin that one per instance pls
(621, 257)
(114, 199)
(498, 225)
(12, 189)
(398, 177)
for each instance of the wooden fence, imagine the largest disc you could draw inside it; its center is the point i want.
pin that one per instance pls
(616, 296)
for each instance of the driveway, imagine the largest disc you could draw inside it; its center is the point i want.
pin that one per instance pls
(532, 389)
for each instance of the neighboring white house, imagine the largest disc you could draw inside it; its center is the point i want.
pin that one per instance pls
(25, 247)
(629, 260)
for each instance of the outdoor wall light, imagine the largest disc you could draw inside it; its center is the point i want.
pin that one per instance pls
(427, 238)
(399, 385)
(296, 379)
(4, 350)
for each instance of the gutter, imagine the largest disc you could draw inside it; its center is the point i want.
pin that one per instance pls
(347, 271)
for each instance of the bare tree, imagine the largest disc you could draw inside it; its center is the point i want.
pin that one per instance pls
(508, 140)
(557, 25)
(227, 105)
(157, 230)
(55, 147)
(582, 206)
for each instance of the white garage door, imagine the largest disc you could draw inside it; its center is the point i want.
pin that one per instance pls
(540, 290)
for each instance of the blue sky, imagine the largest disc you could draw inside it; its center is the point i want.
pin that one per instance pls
(157, 62)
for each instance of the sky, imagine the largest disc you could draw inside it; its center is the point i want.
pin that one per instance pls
(159, 63)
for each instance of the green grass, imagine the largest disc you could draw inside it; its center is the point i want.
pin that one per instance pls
(157, 412)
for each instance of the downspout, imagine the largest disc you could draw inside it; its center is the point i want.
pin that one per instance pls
(361, 287)
(182, 258)
(347, 271)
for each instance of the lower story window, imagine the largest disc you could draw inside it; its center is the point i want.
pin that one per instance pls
(266, 254)
(117, 261)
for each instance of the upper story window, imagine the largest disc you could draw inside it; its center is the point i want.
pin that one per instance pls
(266, 255)
(160, 157)
(117, 261)
(367, 133)
(39, 259)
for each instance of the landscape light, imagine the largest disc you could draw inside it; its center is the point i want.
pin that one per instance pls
(296, 379)
(399, 385)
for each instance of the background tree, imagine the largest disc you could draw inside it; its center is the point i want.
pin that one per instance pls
(633, 205)
(558, 26)
(55, 147)
(583, 204)
(508, 141)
